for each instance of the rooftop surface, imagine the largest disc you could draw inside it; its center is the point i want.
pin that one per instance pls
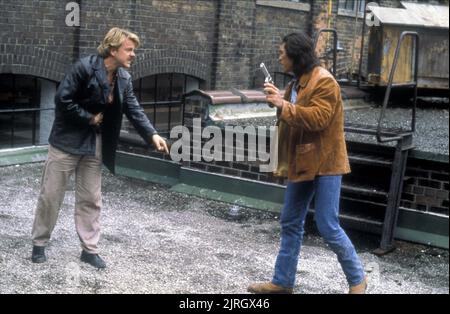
(158, 241)
(432, 128)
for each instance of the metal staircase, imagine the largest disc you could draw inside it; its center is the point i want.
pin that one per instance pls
(371, 194)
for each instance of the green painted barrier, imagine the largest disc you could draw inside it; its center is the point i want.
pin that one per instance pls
(147, 168)
(414, 226)
(17, 156)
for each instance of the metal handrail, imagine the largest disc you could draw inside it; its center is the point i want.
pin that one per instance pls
(160, 103)
(335, 35)
(413, 84)
(25, 110)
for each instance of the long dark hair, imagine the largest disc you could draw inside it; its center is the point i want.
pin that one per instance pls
(300, 49)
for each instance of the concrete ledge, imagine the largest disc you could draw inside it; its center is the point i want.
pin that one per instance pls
(147, 168)
(422, 237)
(350, 13)
(238, 186)
(425, 228)
(24, 155)
(227, 197)
(422, 155)
(285, 5)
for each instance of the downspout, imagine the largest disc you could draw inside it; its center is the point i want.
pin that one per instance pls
(311, 28)
(329, 18)
(76, 38)
(215, 52)
(354, 39)
(330, 12)
(361, 55)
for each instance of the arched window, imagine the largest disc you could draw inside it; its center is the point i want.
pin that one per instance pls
(26, 110)
(160, 96)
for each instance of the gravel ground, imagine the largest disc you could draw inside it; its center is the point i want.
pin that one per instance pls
(432, 134)
(157, 241)
(432, 128)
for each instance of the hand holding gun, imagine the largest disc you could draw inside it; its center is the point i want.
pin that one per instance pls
(268, 78)
(270, 89)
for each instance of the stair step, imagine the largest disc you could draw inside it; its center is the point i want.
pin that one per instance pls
(372, 130)
(362, 201)
(368, 191)
(362, 219)
(362, 208)
(360, 222)
(367, 159)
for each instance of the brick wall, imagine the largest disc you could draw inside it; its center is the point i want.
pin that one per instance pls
(270, 26)
(33, 40)
(176, 36)
(426, 187)
(220, 42)
(234, 53)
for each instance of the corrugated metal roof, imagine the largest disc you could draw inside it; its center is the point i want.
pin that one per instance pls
(414, 14)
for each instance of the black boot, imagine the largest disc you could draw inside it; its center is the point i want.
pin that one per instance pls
(92, 259)
(38, 254)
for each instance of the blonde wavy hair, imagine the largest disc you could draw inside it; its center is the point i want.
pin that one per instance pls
(114, 39)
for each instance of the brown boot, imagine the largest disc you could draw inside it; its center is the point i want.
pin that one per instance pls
(268, 288)
(359, 289)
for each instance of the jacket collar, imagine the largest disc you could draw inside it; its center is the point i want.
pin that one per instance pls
(100, 73)
(301, 82)
(99, 65)
(305, 78)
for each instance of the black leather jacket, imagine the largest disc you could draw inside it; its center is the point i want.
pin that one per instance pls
(82, 94)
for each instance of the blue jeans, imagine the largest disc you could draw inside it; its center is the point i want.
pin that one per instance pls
(297, 199)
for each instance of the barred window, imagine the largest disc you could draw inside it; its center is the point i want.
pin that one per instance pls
(26, 110)
(160, 95)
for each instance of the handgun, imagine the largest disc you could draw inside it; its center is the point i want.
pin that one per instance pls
(266, 74)
(268, 78)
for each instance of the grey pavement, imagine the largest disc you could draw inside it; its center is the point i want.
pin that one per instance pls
(158, 241)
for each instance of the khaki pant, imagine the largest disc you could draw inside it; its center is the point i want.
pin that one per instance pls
(57, 171)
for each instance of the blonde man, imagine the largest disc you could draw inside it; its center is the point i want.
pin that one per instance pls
(90, 102)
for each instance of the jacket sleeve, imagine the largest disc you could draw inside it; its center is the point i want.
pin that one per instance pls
(316, 115)
(135, 113)
(65, 98)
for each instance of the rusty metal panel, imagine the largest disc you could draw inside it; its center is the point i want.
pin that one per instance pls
(375, 55)
(431, 22)
(433, 56)
(404, 71)
(434, 59)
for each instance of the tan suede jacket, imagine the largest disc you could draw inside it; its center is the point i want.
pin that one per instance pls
(311, 139)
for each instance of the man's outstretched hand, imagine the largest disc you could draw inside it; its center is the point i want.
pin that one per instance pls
(160, 144)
